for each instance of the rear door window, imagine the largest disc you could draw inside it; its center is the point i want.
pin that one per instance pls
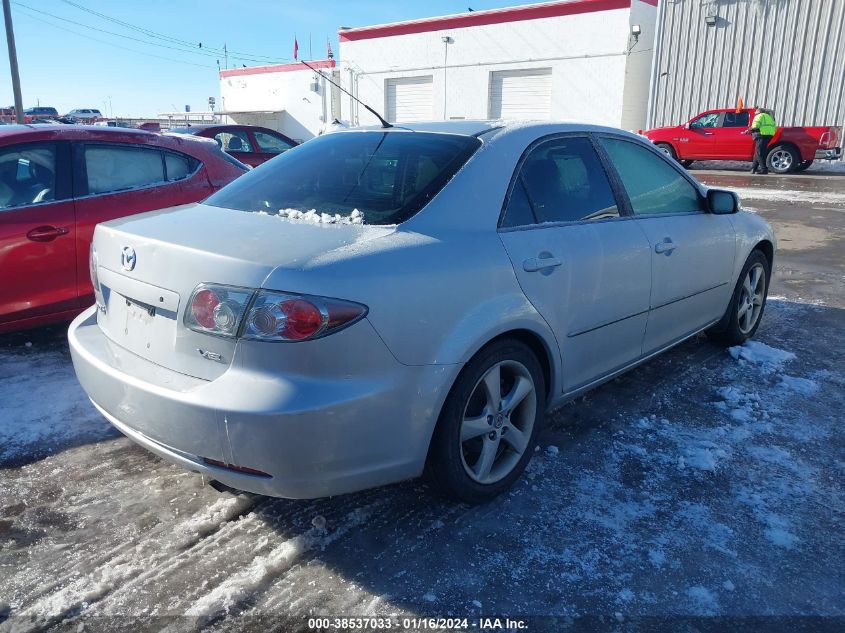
(735, 119)
(654, 186)
(233, 141)
(122, 167)
(561, 180)
(271, 144)
(386, 176)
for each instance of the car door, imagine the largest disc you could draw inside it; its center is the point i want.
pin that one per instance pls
(37, 232)
(582, 263)
(729, 142)
(268, 144)
(692, 251)
(236, 142)
(114, 180)
(696, 141)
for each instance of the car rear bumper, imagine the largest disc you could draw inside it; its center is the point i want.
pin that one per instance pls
(312, 436)
(834, 153)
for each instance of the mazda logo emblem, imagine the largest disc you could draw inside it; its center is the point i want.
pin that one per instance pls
(128, 258)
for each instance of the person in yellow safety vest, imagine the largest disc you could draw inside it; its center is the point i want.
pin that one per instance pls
(762, 129)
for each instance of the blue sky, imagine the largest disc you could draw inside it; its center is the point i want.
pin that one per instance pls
(66, 63)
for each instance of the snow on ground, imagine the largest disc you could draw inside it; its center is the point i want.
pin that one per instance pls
(836, 198)
(708, 481)
(825, 166)
(43, 405)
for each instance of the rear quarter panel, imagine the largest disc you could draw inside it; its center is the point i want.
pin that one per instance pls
(806, 139)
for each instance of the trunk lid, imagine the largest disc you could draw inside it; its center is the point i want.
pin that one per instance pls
(177, 249)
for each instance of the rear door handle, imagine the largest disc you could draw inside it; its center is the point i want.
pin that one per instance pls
(664, 247)
(540, 263)
(46, 233)
(708, 134)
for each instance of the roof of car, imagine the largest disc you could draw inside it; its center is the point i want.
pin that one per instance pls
(22, 133)
(71, 130)
(479, 127)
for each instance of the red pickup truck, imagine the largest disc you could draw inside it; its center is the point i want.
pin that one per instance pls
(717, 135)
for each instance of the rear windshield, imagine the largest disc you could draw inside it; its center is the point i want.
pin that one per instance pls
(386, 176)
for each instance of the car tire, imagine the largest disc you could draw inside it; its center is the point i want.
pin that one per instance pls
(745, 311)
(782, 159)
(481, 445)
(804, 166)
(667, 149)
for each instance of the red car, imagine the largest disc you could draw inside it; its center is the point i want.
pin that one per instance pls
(717, 135)
(57, 182)
(250, 144)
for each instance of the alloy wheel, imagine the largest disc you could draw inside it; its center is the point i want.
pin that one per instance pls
(781, 160)
(751, 298)
(498, 422)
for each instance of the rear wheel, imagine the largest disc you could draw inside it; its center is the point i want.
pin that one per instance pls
(489, 424)
(747, 303)
(804, 165)
(782, 159)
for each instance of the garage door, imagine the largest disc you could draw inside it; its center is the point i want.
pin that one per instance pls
(521, 94)
(409, 99)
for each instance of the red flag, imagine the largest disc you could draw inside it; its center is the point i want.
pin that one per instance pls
(295, 48)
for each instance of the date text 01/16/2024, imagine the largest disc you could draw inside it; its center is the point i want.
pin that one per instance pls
(415, 624)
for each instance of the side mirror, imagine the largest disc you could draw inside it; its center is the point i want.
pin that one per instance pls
(686, 126)
(722, 202)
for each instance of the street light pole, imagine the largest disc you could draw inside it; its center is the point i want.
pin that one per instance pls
(13, 61)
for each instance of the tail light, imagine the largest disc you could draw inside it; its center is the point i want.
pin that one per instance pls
(280, 316)
(95, 279)
(266, 315)
(215, 309)
(824, 139)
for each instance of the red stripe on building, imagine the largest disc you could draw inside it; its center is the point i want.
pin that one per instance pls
(483, 18)
(276, 68)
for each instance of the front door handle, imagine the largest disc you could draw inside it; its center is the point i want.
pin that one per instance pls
(708, 134)
(665, 247)
(46, 233)
(534, 264)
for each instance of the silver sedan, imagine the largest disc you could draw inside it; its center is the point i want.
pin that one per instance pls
(379, 304)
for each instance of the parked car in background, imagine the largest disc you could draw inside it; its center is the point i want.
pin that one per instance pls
(57, 182)
(85, 115)
(250, 144)
(481, 287)
(717, 135)
(39, 112)
(149, 126)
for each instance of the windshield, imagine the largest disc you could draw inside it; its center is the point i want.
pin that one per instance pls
(386, 176)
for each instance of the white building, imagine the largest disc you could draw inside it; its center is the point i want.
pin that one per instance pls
(583, 60)
(289, 98)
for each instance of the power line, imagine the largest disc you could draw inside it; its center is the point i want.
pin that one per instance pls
(135, 39)
(174, 40)
(191, 48)
(126, 48)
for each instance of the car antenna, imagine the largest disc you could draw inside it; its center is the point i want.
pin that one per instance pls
(384, 122)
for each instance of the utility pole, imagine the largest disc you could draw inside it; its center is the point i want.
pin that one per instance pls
(13, 61)
(226, 55)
